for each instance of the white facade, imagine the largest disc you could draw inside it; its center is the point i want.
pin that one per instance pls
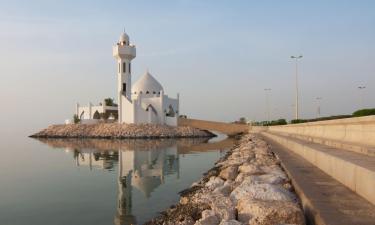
(145, 101)
(89, 113)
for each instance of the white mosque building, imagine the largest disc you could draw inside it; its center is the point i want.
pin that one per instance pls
(143, 102)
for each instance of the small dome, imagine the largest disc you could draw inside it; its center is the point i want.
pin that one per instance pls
(124, 37)
(146, 184)
(147, 84)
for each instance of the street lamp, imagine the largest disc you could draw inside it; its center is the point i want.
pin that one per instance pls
(318, 107)
(297, 105)
(361, 95)
(267, 90)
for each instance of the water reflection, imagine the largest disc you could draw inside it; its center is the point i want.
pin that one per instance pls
(142, 165)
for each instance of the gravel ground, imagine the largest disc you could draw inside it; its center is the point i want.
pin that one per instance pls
(120, 131)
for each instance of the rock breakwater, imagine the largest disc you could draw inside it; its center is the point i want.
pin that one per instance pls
(120, 131)
(247, 186)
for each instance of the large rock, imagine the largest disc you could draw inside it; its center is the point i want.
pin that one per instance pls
(214, 182)
(229, 173)
(232, 162)
(209, 217)
(266, 192)
(269, 212)
(250, 169)
(224, 207)
(225, 190)
(267, 179)
(221, 205)
(230, 222)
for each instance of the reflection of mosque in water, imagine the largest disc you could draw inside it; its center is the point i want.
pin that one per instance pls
(137, 168)
(142, 164)
(144, 170)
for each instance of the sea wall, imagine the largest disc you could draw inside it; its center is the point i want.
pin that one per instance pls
(358, 130)
(247, 186)
(120, 131)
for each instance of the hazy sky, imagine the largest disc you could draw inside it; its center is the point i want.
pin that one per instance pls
(219, 55)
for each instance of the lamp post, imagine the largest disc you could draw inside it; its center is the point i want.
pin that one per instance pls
(267, 90)
(318, 107)
(297, 103)
(360, 88)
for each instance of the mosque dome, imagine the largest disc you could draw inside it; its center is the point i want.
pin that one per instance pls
(147, 84)
(146, 184)
(124, 38)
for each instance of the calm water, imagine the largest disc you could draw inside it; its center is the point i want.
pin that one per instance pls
(98, 181)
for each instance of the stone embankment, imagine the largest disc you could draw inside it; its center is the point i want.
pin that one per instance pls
(247, 186)
(120, 131)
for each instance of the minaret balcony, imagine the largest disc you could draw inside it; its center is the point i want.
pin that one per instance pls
(124, 51)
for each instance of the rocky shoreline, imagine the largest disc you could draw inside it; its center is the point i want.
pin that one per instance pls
(247, 186)
(120, 131)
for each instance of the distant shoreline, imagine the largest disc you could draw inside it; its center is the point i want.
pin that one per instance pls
(120, 131)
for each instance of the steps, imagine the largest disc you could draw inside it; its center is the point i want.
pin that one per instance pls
(354, 170)
(325, 200)
(349, 146)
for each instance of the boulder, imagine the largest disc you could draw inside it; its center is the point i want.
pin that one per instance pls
(221, 205)
(209, 217)
(230, 222)
(214, 182)
(248, 168)
(269, 179)
(229, 173)
(224, 208)
(269, 212)
(265, 192)
(225, 190)
(232, 162)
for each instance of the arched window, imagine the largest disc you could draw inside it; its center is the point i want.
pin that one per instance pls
(147, 92)
(140, 92)
(154, 92)
(170, 112)
(129, 68)
(123, 67)
(96, 115)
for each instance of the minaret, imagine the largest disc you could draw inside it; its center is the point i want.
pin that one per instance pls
(123, 52)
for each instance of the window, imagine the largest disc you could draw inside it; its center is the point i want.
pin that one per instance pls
(147, 92)
(170, 112)
(124, 87)
(96, 115)
(123, 67)
(129, 68)
(154, 92)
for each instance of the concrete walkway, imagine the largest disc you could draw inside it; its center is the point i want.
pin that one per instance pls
(229, 129)
(325, 200)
